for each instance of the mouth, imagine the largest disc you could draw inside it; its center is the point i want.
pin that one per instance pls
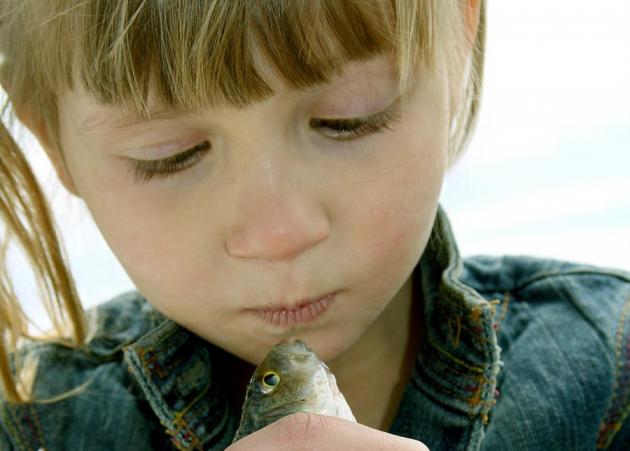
(303, 312)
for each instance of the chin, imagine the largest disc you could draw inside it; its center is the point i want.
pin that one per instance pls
(330, 345)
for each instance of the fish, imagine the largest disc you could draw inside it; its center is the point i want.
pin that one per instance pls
(290, 379)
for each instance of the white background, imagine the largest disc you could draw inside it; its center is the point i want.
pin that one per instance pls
(547, 172)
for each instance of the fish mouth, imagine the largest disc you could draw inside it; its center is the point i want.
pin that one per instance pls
(293, 347)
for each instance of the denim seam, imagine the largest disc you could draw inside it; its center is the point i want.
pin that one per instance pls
(621, 275)
(183, 436)
(38, 426)
(579, 307)
(15, 432)
(618, 408)
(480, 384)
(572, 272)
(475, 324)
(505, 304)
(35, 435)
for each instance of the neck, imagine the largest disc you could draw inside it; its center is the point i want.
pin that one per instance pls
(237, 375)
(373, 374)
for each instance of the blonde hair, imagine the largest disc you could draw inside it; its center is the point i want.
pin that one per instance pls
(186, 56)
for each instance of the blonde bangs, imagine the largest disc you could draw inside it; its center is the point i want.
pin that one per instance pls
(188, 55)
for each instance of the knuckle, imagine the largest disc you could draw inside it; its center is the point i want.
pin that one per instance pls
(402, 444)
(304, 428)
(416, 445)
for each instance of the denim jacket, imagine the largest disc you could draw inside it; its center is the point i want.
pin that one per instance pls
(520, 353)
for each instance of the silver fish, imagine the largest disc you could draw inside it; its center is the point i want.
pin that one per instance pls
(290, 379)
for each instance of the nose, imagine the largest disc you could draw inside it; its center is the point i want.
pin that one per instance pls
(275, 221)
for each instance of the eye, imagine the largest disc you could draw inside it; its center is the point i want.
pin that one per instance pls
(145, 170)
(348, 129)
(269, 381)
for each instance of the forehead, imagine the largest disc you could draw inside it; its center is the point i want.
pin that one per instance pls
(355, 76)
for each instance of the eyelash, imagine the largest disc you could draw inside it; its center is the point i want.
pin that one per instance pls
(350, 129)
(145, 170)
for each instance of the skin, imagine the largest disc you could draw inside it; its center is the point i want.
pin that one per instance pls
(275, 214)
(303, 431)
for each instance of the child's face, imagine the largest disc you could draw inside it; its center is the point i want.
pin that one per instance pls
(276, 211)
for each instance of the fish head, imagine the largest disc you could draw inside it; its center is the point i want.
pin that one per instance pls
(290, 379)
(290, 376)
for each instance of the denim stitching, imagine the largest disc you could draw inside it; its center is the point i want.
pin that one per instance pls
(572, 272)
(181, 424)
(504, 310)
(183, 433)
(17, 428)
(472, 389)
(148, 357)
(454, 338)
(15, 432)
(452, 313)
(474, 384)
(21, 416)
(182, 436)
(451, 357)
(619, 407)
(38, 425)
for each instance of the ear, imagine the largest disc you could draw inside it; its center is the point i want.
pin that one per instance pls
(38, 128)
(472, 14)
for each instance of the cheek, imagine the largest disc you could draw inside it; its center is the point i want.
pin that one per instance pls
(166, 260)
(397, 228)
(397, 216)
(394, 218)
(152, 240)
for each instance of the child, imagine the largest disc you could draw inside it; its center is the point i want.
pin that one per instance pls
(271, 169)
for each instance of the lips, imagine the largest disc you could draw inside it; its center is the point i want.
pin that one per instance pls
(303, 312)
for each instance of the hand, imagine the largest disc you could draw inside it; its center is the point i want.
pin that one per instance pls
(308, 431)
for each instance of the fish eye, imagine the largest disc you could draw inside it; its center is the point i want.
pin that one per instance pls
(270, 379)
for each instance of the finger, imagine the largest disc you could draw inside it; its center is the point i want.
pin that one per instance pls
(304, 431)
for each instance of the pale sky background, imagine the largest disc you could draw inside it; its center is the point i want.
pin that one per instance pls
(547, 172)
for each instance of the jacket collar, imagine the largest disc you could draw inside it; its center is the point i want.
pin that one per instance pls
(458, 362)
(173, 367)
(460, 358)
